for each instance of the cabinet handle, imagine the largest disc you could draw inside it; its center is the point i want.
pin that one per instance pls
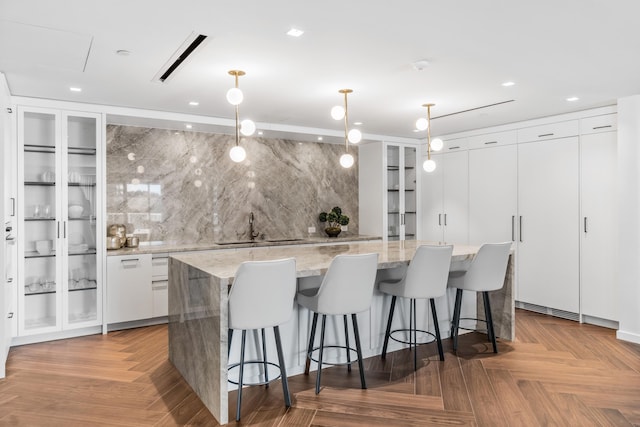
(520, 229)
(65, 229)
(439, 220)
(513, 228)
(58, 229)
(130, 260)
(454, 148)
(10, 316)
(585, 225)
(445, 220)
(401, 219)
(10, 280)
(13, 206)
(545, 134)
(601, 127)
(490, 142)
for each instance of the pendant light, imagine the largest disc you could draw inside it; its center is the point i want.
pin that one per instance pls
(350, 136)
(422, 123)
(246, 127)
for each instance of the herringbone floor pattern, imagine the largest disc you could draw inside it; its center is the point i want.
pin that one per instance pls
(556, 373)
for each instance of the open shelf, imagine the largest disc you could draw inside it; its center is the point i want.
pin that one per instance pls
(33, 148)
(40, 183)
(85, 151)
(34, 254)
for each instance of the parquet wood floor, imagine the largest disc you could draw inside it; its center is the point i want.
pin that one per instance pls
(556, 373)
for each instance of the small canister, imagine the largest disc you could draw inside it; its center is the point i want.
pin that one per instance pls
(133, 242)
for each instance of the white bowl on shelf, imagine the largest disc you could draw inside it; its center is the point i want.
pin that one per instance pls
(75, 211)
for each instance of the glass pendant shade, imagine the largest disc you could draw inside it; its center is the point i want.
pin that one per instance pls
(237, 154)
(429, 165)
(354, 136)
(234, 96)
(337, 112)
(247, 127)
(422, 123)
(346, 160)
(437, 144)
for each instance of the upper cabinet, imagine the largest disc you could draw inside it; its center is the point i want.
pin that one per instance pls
(401, 192)
(60, 220)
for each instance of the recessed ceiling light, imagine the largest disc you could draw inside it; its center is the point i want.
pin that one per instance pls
(507, 84)
(75, 89)
(357, 123)
(294, 32)
(320, 138)
(188, 126)
(572, 98)
(194, 103)
(420, 64)
(123, 52)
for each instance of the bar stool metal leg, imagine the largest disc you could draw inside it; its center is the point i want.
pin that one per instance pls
(283, 369)
(489, 318)
(386, 335)
(436, 327)
(244, 339)
(319, 374)
(346, 338)
(230, 337)
(312, 337)
(456, 319)
(415, 335)
(356, 333)
(264, 360)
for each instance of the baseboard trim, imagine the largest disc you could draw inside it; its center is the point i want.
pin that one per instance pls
(628, 336)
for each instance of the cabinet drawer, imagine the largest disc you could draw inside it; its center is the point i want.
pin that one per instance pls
(160, 267)
(493, 139)
(160, 298)
(550, 131)
(599, 124)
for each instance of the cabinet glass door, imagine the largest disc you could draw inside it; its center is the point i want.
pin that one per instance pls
(40, 289)
(409, 219)
(393, 192)
(80, 214)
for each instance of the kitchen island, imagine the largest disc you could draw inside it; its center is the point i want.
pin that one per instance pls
(198, 287)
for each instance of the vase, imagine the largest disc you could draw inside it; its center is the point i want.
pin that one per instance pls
(332, 231)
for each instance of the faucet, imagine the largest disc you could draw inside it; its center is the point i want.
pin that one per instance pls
(252, 233)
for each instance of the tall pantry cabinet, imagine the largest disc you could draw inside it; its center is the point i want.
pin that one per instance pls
(59, 215)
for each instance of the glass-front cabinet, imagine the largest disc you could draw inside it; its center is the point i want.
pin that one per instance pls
(59, 204)
(401, 192)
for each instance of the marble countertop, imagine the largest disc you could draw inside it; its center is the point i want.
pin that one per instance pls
(313, 260)
(176, 247)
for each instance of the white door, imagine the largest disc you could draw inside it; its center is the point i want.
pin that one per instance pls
(456, 197)
(548, 241)
(598, 291)
(493, 194)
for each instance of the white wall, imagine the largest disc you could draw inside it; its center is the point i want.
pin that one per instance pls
(629, 217)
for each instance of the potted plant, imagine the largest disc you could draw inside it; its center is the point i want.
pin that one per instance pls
(335, 218)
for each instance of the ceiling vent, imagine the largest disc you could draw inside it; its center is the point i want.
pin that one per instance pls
(473, 109)
(180, 56)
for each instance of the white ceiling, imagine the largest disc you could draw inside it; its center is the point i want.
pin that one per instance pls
(551, 49)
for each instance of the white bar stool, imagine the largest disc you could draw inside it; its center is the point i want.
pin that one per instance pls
(486, 273)
(347, 288)
(262, 296)
(425, 278)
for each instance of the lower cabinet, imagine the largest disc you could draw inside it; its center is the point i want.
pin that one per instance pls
(137, 287)
(129, 294)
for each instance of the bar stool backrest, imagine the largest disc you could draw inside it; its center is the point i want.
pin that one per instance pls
(428, 272)
(347, 287)
(488, 268)
(262, 294)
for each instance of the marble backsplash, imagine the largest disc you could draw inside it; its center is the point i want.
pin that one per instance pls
(181, 186)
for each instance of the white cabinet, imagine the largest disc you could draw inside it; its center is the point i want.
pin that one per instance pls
(548, 238)
(445, 197)
(388, 201)
(598, 237)
(160, 285)
(59, 217)
(129, 293)
(493, 193)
